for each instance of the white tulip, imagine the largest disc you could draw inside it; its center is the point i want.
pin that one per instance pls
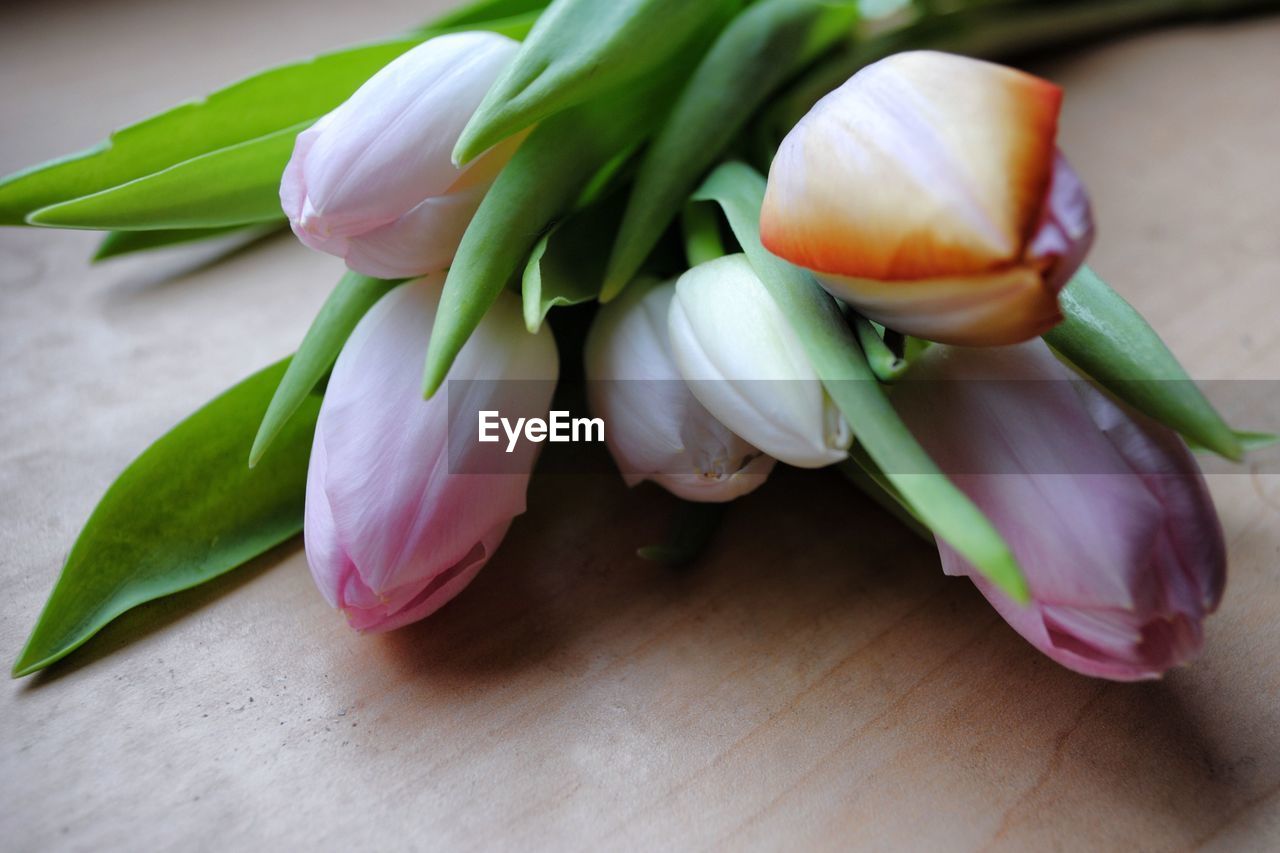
(655, 428)
(748, 367)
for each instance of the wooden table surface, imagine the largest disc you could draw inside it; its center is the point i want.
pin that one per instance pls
(816, 682)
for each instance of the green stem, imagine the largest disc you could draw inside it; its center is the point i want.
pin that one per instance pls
(700, 225)
(1000, 31)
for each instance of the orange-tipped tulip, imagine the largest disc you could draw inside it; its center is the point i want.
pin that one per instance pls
(928, 192)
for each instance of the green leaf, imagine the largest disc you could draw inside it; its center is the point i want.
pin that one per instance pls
(118, 243)
(236, 185)
(516, 26)
(350, 300)
(226, 151)
(567, 264)
(883, 8)
(578, 50)
(184, 512)
(844, 371)
(484, 12)
(1255, 441)
(755, 54)
(700, 227)
(1108, 340)
(264, 104)
(1250, 442)
(546, 179)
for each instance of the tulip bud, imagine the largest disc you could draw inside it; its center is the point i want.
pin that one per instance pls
(393, 527)
(927, 192)
(657, 430)
(748, 367)
(373, 181)
(1105, 510)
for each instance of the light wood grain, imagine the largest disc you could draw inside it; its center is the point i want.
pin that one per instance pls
(815, 683)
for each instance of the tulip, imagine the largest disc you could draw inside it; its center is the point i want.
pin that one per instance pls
(656, 429)
(928, 193)
(395, 525)
(746, 365)
(1105, 510)
(373, 183)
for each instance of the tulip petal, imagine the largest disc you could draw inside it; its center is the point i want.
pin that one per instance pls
(389, 146)
(657, 430)
(991, 309)
(1105, 510)
(743, 361)
(922, 165)
(393, 518)
(1066, 228)
(425, 238)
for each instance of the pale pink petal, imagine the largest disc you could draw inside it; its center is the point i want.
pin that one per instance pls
(1105, 510)
(1066, 228)
(421, 242)
(390, 145)
(394, 520)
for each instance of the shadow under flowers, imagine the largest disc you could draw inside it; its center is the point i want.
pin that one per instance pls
(566, 587)
(816, 645)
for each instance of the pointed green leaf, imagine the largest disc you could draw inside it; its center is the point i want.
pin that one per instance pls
(844, 371)
(256, 107)
(184, 512)
(566, 266)
(485, 11)
(350, 300)
(546, 179)
(236, 185)
(1250, 442)
(118, 243)
(756, 53)
(516, 25)
(578, 50)
(539, 185)
(1108, 340)
(700, 228)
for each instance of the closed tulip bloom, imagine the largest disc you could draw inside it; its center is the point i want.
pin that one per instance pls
(747, 366)
(1106, 510)
(928, 192)
(394, 526)
(655, 428)
(373, 181)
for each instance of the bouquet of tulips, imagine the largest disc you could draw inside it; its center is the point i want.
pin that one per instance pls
(815, 232)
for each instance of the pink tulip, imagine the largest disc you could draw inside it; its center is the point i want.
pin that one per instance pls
(1106, 510)
(373, 181)
(927, 191)
(395, 523)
